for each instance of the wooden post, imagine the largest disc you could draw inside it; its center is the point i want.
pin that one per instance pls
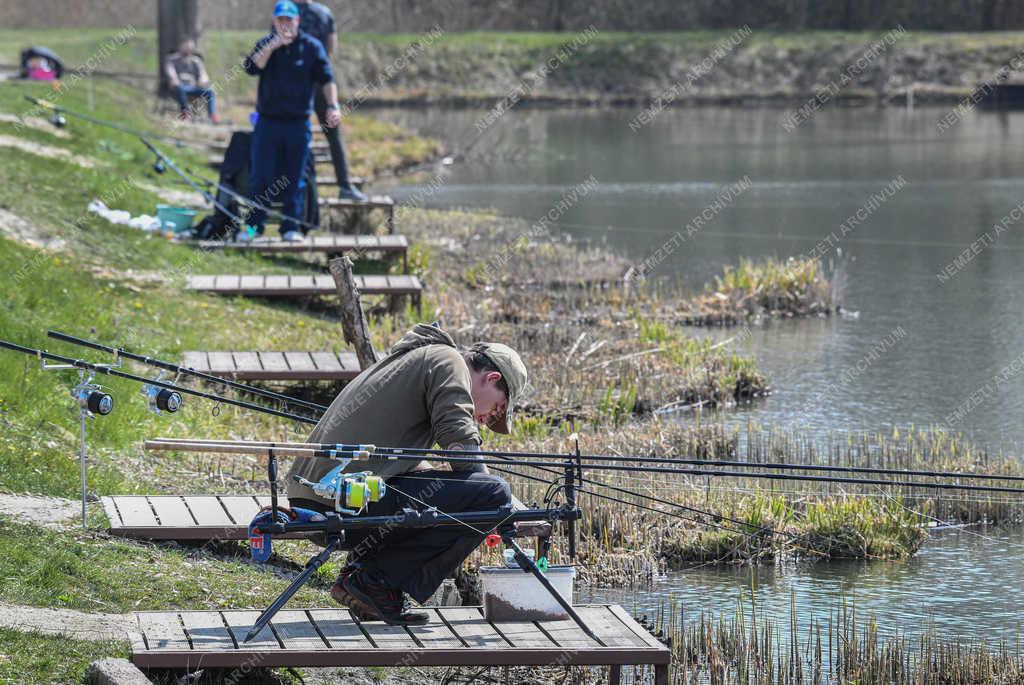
(353, 324)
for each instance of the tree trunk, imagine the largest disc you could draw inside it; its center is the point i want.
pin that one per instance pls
(175, 21)
(353, 323)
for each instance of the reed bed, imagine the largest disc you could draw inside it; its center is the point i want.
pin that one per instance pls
(768, 288)
(752, 647)
(591, 335)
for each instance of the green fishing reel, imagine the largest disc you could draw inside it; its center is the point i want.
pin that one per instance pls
(361, 489)
(351, 492)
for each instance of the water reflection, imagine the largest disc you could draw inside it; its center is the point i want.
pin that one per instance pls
(962, 583)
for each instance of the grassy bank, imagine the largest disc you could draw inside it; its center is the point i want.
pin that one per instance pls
(482, 68)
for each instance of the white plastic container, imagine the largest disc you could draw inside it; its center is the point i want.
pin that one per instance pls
(510, 594)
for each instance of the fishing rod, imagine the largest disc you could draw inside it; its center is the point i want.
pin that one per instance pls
(367, 452)
(165, 162)
(334, 524)
(106, 369)
(59, 121)
(186, 371)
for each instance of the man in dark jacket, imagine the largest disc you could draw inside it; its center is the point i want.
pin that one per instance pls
(316, 20)
(426, 392)
(290, 64)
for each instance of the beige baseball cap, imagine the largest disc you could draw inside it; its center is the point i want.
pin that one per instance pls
(512, 369)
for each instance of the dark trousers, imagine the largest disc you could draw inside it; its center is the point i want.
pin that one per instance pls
(417, 560)
(333, 139)
(184, 92)
(277, 160)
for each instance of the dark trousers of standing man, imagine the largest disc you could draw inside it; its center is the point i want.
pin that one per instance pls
(334, 140)
(277, 160)
(417, 560)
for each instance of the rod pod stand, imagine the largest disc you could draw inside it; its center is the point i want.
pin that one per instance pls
(333, 542)
(530, 566)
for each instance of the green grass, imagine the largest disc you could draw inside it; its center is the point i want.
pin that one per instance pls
(69, 569)
(122, 287)
(29, 658)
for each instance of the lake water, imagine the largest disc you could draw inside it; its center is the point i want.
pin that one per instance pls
(948, 351)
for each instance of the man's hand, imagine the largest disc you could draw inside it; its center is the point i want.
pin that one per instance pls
(285, 36)
(333, 115)
(465, 465)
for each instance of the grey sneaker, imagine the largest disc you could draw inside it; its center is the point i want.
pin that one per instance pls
(293, 237)
(353, 194)
(245, 235)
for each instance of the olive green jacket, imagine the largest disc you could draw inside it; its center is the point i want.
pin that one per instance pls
(417, 396)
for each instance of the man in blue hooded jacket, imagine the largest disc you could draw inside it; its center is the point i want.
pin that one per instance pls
(291, 64)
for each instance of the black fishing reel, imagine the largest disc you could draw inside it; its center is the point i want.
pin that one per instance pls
(91, 398)
(58, 120)
(161, 399)
(159, 166)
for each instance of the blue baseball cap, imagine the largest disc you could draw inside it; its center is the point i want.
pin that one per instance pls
(286, 8)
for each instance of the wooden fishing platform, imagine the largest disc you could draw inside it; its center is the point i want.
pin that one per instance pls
(337, 205)
(276, 366)
(189, 517)
(327, 244)
(454, 636)
(305, 285)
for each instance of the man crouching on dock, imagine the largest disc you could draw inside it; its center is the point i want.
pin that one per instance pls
(426, 392)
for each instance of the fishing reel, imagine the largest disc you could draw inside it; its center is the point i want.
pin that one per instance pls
(351, 492)
(91, 398)
(58, 120)
(159, 166)
(161, 399)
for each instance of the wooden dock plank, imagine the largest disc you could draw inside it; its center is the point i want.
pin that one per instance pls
(468, 623)
(317, 243)
(301, 285)
(162, 630)
(171, 511)
(241, 508)
(227, 282)
(630, 623)
(435, 634)
(524, 634)
(207, 631)
(327, 361)
(208, 512)
(567, 634)
(387, 637)
(196, 360)
(274, 284)
(241, 360)
(274, 362)
(339, 629)
(135, 511)
(253, 282)
(221, 360)
(296, 631)
(110, 508)
(606, 625)
(299, 361)
(241, 622)
(304, 637)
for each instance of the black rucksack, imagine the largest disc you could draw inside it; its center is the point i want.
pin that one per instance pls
(234, 175)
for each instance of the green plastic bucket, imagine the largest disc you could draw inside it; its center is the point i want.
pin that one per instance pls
(178, 217)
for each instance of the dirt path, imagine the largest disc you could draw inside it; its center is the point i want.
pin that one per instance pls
(67, 622)
(45, 151)
(51, 512)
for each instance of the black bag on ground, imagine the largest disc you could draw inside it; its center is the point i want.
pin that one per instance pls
(234, 175)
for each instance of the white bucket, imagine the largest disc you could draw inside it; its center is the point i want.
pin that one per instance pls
(511, 594)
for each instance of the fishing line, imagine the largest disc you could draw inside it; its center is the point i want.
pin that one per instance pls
(188, 371)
